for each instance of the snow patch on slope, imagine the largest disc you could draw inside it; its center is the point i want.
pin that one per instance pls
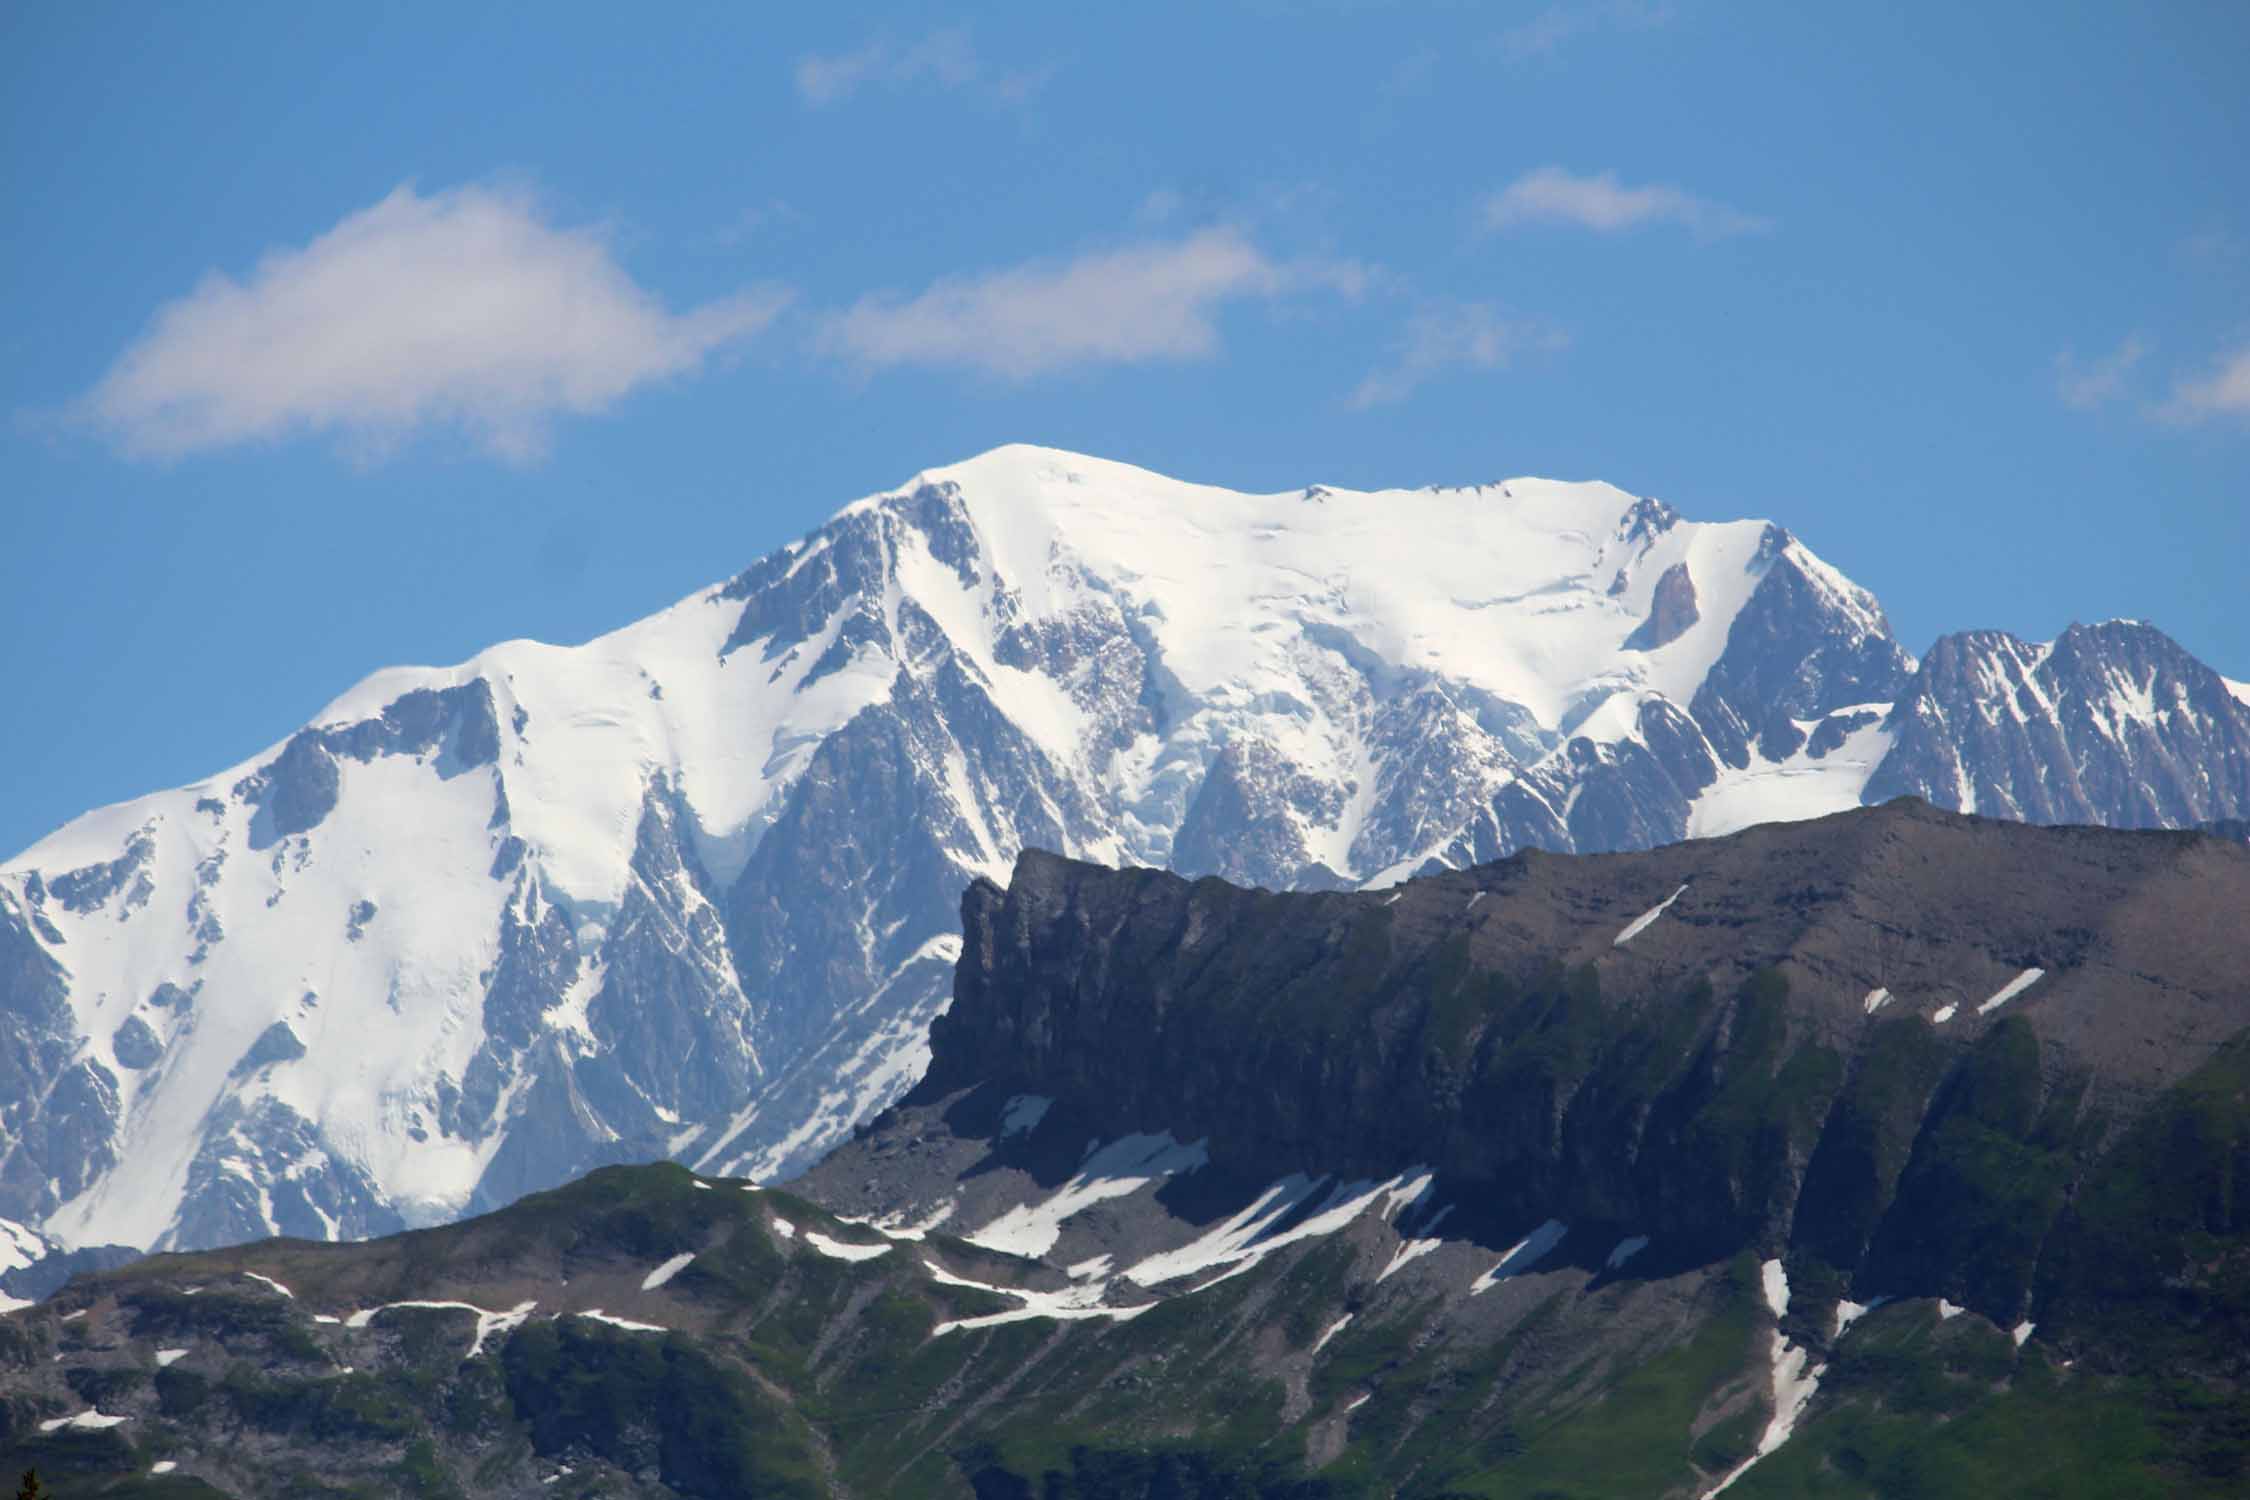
(598, 1316)
(1522, 1256)
(1071, 1304)
(488, 1321)
(1625, 1251)
(89, 1420)
(1268, 1223)
(843, 1249)
(1800, 787)
(666, 1271)
(1849, 1312)
(1022, 1114)
(2011, 989)
(1794, 1378)
(1121, 1168)
(1640, 924)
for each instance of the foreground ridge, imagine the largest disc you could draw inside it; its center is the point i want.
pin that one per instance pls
(1438, 1191)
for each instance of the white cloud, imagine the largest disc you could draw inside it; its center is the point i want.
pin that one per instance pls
(1146, 302)
(464, 309)
(2225, 392)
(1555, 195)
(2085, 384)
(1468, 336)
(946, 58)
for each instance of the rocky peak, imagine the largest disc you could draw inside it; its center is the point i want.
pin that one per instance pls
(2108, 723)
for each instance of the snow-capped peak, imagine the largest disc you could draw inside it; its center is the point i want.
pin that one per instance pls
(689, 889)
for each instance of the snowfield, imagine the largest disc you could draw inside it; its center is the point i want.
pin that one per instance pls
(689, 889)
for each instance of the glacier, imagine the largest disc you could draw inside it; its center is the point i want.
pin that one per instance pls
(689, 890)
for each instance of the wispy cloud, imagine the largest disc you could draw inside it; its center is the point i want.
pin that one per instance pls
(465, 309)
(1463, 336)
(1154, 301)
(2223, 393)
(945, 58)
(1555, 195)
(1546, 34)
(2083, 384)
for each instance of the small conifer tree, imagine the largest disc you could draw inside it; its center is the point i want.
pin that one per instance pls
(29, 1489)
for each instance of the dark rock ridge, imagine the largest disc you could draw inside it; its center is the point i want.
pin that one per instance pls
(2030, 1188)
(48, 1274)
(1716, 1081)
(298, 787)
(1671, 611)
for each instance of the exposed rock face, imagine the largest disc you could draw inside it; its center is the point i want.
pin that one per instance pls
(135, 1045)
(53, 1112)
(1670, 613)
(2109, 723)
(1807, 644)
(690, 890)
(84, 890)
(299, 787)
(1569, 1175)
(248, 1169)
(33, 1266)
(1715, 1080)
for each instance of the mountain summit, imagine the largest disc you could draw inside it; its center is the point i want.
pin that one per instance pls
(688, 890)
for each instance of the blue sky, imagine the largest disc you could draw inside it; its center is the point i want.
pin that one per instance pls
(331, 340)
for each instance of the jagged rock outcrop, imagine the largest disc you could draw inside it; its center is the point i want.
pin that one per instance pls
(1671, 611)
(1775, 1062)
(2110, 723)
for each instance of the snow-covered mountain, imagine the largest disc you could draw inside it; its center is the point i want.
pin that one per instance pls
(690, 889)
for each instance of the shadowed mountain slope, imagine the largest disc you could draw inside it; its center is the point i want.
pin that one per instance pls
(1894, 1152)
